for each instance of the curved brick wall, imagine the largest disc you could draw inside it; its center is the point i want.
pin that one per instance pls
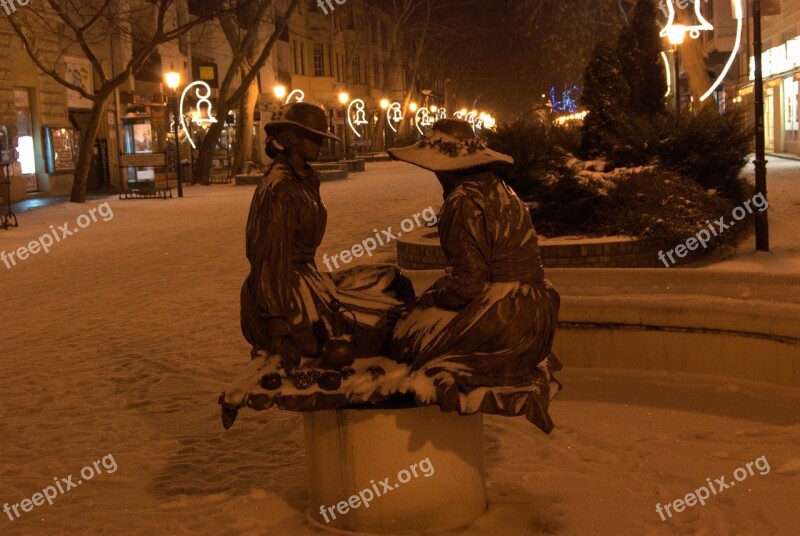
(424, 253)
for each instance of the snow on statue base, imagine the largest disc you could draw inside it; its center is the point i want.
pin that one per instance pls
(394, 471)
(380, 380)
(377, 428)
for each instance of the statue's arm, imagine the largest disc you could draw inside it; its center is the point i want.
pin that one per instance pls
(463, 235)
(275, 242)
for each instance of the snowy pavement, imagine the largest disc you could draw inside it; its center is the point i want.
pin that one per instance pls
(783, 193)
(121, 338)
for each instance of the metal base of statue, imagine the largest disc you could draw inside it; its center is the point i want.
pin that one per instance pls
(394, 471)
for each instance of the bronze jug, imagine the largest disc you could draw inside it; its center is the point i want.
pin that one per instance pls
(339, 351)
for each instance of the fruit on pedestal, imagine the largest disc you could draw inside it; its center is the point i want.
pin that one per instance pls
(330, 380)
(271, 382)
(304, 377)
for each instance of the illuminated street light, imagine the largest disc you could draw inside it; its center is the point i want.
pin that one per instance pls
(676, 34)
(173, 81)
(413, 106)
(384, 104)
(344, 98)
(280, 92)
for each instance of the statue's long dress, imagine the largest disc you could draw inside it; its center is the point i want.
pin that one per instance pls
(285, 294)
(495, 314)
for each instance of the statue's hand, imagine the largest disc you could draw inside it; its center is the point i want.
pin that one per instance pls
(400, 311)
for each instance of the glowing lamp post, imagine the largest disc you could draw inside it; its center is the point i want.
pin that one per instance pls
(676, 34)
(762, 222)
(173, 80)
(344, 98)
(385, 107)
(280, 93)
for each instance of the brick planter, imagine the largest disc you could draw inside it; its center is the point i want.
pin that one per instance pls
(425, 253)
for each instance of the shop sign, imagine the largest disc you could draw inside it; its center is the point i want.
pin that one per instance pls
(778, 59)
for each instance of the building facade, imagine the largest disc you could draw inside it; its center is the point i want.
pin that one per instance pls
(323, 54)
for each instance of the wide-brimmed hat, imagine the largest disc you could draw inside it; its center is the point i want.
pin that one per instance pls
(451, 145)
(304, 115)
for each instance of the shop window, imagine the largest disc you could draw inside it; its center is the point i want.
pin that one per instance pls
(25, 146)
(790, 93)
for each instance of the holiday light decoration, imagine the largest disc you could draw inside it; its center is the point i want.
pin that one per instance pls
(702, 25)
(568, 101)
(422, 119)
(360, 114)
(298, 94)
(669, 73)
(202, 100)
(442, 114)
(394, 115)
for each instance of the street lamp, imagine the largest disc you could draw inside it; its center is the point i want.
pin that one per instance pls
(173, 80)
(676, 33)
(413, 107)
(344, 98)
(384, 106)
(280, 93)
(762, 221)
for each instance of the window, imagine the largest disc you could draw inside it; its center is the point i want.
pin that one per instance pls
(295, 64)
(27, 160)
(356, 70)
(319, 60)
(302, 58)
(790, 93)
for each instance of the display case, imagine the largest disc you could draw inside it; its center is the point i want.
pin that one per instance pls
(59, 150)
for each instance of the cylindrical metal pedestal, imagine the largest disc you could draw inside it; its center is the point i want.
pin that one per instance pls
(394, 471)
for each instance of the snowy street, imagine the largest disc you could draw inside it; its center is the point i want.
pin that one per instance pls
(120, 340)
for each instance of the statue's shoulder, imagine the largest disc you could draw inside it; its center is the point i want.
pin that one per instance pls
(278, 178)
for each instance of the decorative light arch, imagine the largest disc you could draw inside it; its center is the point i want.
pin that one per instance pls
(668, 71)
(394, 114)
(298, 94)
(703, 25)
(422, 119)
(693, 30)
(361, 115)
(202, 99)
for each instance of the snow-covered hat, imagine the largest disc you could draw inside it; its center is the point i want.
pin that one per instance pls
(451, 145)
(309, 117)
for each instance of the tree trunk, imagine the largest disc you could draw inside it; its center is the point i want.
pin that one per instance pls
(243, 151)
(377, 136)
(88, 138)
(205, 156)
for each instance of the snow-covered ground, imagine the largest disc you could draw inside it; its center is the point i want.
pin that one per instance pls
(783, 193)
(121, 338)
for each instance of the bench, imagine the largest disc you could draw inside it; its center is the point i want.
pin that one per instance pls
(157, 188)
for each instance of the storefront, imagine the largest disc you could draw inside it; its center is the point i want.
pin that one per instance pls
(781, 71)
